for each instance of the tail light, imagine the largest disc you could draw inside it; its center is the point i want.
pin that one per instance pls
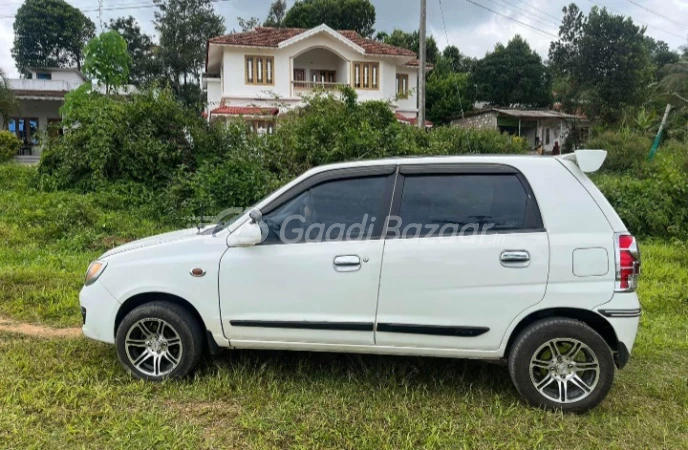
(627, 262)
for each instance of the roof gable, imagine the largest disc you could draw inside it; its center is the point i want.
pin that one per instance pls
(283, 37)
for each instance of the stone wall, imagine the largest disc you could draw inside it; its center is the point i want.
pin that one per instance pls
(486, 120)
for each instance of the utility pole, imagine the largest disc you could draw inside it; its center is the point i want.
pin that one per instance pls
(421, 66)
(658, 139)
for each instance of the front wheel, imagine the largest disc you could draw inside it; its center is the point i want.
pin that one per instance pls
(159, 340)
(563, 364)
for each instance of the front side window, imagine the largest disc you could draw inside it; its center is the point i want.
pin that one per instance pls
(44, 76)
(458, 204)
(26, 129)
(347, 209)
(260, 70)
(366, 75)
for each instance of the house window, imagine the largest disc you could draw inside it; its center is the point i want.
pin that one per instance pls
(44, 76)
(260, 70)
(547, 136)
(402, 85)
(262, 126)
(26, 129)
(366, 75)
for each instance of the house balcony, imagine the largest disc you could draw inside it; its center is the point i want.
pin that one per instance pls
(34, 85)
(319, 69)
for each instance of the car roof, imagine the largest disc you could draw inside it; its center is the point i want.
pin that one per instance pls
(423, 160)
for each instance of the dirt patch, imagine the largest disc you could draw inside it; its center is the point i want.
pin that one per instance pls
(11, 326)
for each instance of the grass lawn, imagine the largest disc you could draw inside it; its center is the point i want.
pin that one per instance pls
(72, 393)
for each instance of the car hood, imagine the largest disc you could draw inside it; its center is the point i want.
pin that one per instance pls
(165, 238)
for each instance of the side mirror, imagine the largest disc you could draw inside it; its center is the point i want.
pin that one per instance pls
(256, 216)
(247, 235)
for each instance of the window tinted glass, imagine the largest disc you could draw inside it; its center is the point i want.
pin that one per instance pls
(332, 211)
(476, 202)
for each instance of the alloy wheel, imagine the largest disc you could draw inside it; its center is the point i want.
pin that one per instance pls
(564, 370)
(153, 347)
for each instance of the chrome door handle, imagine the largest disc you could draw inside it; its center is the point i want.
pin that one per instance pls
(347, 263)
(514, 257)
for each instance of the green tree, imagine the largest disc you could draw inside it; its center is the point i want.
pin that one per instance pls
(357, 15)
(411, 41)
(107, 60)
(146, 65)
(50, 33)
(277, 13)
(247, 24)
(185, 27)
(513, 75)
(448, 93)
(457, 61)
(601, 62)
(8, 104)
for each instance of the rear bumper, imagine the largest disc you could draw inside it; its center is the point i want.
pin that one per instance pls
(99, 310)
(623, 313)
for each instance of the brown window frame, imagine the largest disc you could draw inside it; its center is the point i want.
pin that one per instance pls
(358, 68)
(401, 92)
(28, 129)
(255, 124)
(263, 62)
(330, 76)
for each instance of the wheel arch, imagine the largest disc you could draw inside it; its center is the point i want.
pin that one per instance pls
(137, 300)
(590, 318)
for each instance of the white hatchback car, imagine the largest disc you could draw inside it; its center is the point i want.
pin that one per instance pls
(487, 257)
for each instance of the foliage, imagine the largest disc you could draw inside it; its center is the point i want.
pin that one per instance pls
(9, 145)
(660, 54)
(278, 10)
(513, 75)
(448, 94)
(50, 33)
(8, 103)
(357, 15)
(411, 41)
(457, 61)
(602, 63)
(107, 60)
(146, 64)
(248, 24)
(184, 27)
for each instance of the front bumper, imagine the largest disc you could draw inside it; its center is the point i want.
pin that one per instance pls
(99, 310)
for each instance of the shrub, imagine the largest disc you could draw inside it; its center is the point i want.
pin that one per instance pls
(627, 151)
(9, 146)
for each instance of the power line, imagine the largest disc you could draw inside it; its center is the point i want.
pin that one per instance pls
(668, 19)
(537, 30)
(525, 2)
(120, 6)
(638, 21)
(536, 15)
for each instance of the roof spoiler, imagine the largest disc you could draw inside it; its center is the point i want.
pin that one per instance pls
(588, 161)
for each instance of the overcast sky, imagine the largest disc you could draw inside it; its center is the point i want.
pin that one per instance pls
(472, 29)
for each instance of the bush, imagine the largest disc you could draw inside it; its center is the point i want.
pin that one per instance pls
(9, 146)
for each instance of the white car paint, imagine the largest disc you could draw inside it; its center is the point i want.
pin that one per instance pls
(433, 281)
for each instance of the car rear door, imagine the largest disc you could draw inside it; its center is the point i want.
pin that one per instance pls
(465, 253)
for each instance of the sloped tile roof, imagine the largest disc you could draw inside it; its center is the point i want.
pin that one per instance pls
(245, 111)
(272, 37)
(410, 120)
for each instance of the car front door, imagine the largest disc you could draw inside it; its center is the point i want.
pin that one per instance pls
(466, 252)
(315, 277)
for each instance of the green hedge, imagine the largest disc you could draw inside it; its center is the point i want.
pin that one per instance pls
(9, 146)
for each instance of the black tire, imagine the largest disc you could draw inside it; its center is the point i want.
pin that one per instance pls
(533, 339)
(178, 322)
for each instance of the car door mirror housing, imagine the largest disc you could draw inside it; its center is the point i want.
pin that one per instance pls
(256, 216)
(247, 235)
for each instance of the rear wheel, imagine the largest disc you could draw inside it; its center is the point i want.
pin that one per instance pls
(159, 340)
(561, 363)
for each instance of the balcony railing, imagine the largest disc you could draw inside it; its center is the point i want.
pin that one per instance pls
(311, 85)
(42, 85)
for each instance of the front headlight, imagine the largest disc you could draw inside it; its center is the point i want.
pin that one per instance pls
(95, 269)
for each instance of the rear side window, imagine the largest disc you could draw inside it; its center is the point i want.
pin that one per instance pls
(447, 204)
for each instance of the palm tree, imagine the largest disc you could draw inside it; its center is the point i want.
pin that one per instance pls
(8, 104)
(675, 82)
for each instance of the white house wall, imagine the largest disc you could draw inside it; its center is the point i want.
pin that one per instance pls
(409, 105)
(336, 55)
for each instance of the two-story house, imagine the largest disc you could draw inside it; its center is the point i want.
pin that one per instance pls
(265, 71)
(39, 98)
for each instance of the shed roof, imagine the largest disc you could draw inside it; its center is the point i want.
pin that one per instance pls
(534, 114)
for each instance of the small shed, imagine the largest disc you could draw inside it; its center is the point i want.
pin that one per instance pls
(539, 127)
